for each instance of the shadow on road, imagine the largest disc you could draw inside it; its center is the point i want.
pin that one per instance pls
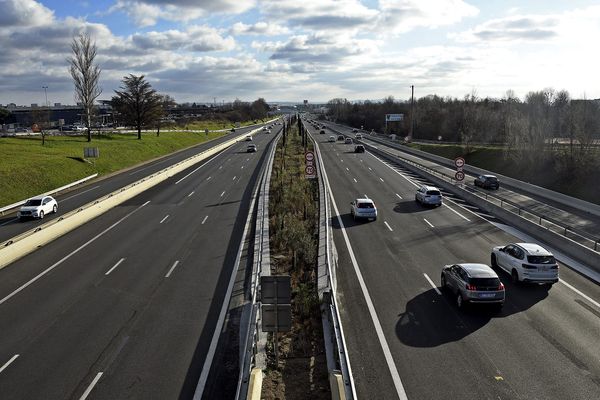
(411, 206)
(430, 320)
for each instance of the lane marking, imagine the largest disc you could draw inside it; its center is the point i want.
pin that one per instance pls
(456, 212)
(234, 177)
(428, 223)
(220, 166)
(77, 250)
(370, 169)
(80, 193)
(222, 193)
(172, 268)
(242, 167)
(152, 165)
(579, 292)
(209, 178)
(388, 226)
(89, 389)
(247, 159)
(432, 284)
(9, 221)
(115, 266)
(204, 220)
(371, 307)
(355, 181)
(222, 152)
(341, 160)
(166, 216)
(400, 197)
(191, 193)
(381, 179)
(13, 358)
(347, 169)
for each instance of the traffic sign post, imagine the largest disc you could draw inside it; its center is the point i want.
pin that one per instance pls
(459, 162)
(460, 176)
(310, 170)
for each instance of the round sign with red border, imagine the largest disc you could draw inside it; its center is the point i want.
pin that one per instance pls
(310, 170)
(309, 156)
(459, 175)
(459, 162)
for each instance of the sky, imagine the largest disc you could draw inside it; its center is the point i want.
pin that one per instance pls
(291, 50)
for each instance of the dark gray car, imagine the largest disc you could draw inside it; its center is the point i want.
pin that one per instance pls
(473, 283)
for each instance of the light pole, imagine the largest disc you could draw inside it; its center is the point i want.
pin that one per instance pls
(412, 111)
(46, 94)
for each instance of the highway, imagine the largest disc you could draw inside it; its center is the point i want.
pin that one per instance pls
(126, 306)
(70, 200)
(407, 340)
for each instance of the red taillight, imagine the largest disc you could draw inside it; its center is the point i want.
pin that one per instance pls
(471, 287)
(501, 287)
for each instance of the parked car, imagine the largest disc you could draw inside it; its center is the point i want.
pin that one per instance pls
(331, 138)
(359, 148)
(526, 262)
(251, 148)
(363, 208)
(487, 182)
(348, 140)
(473, 283)
(429, 195)
(37, 207)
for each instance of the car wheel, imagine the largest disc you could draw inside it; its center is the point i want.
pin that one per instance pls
(416, 198)
(55, 208)
(514, 276)
(494, 262)
(459, 301)
(41, 215)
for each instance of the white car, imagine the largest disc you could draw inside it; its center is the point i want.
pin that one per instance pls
(429, 195)
(363, 208)
(359, 136)
(37, 207)
(526, 262)
(331, 138)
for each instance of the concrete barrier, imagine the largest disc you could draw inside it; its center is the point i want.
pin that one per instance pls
(29, 241)
(255, 384)
(569, 247)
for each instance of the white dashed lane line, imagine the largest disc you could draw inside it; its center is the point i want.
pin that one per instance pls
(432, 284)
(428, 223)
(172, 268)
(204, 220)
(114, 266)
(6, 364)
(164, 219)
(400, 197)
(89, 389)
(355, 181)
(222, 193)
(388, 226)
(381, 179)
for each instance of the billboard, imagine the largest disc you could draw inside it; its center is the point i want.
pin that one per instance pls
(394, 117)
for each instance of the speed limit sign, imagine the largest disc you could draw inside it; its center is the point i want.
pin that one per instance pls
(459, 175)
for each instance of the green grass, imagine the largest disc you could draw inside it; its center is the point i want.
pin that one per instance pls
(215, 124)
(27, 168)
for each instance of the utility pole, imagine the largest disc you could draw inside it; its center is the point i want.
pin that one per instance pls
(46, 94)
(412, 111)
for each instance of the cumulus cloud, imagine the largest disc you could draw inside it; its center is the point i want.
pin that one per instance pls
(259, 28)
(513, 28)
(23, 13)
(195, 38)
(401, 16)
(148, 12)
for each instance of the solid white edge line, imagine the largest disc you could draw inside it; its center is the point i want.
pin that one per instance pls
(89, 389)
(163, 220)
(172, 268)
(200, 166)
(115, 266)
(579, 292)
(388, 226)
(378, 329)
(204, 220)
(77, 250)
(215, 339)
(432, 284)
(428, 223)
(13, 358)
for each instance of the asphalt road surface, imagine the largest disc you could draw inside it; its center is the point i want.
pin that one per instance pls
(407, 339)
(126, 305)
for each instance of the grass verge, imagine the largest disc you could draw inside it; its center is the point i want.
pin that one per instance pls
(294, 216)
(27, 168)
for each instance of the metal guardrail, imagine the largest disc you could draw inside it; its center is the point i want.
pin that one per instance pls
(261, 260)
(330, 298)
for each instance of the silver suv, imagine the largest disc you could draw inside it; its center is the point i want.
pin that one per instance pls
(429, 195)
(526, 262)
(473, 283)
(363, 208)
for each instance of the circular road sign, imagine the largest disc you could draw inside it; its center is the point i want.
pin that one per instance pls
(309, 156)
(459, 175)
(310, 170)
(459, 162)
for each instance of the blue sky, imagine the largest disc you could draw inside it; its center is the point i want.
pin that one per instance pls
(289, 50)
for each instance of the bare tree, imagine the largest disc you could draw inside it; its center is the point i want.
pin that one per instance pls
(165, 103)
(137, 102)
(86, 75)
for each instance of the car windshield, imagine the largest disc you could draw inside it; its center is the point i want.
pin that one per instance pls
(433, 192)
(34, 202)
(366, 205)
(540, 259)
